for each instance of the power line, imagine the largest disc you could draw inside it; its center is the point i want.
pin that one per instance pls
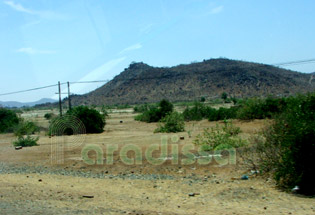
(53, 85)
(295, 62)
(22, 91)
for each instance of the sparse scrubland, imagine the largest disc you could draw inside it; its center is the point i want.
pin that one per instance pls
(290, 135)
(273, 138)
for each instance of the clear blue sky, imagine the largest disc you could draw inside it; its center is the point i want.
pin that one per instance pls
(46, 41)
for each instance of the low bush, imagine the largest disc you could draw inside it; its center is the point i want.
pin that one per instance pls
(171, 123)
(49, 116)
(142, 108)
(8, 120)
(251, 109)
(222, 113)
(255, 108)
(93, 120)
(155, 114)
(218, 138)
(27, 141)
(152, 115)
(230, 129)
(196, 113)
(199, 111)
(227, 113)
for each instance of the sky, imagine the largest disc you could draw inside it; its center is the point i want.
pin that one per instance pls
(46, 41)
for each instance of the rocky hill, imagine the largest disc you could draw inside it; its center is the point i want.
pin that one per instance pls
(141, 83)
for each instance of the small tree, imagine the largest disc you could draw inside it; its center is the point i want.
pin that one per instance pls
(23, 132)
(166, 107)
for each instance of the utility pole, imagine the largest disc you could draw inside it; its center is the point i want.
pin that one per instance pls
(69, 99)
(60, 107)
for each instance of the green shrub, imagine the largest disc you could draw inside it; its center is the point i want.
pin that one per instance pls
(294, 130)
(142, 108)
(251, 109)
(49, 116)
(199, 111)
(230, 129)
(8, 120)
(93, 120)
(227, 113)
(273, 106)
(26, 141)
(222, 113)
(171, 123)
(155, 114)
(287, 148)
(23, 131)
(152, 115)
(144, 117)
(218, 138)
(212, 114)
(261, 108)
(196, 113)
(25, 128)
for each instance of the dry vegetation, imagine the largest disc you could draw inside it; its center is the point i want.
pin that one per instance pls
(30, 184)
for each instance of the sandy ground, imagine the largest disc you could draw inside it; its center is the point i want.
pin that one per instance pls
(134, 189)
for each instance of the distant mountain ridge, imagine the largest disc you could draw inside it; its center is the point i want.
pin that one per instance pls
(12, 104)
(141, 83)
